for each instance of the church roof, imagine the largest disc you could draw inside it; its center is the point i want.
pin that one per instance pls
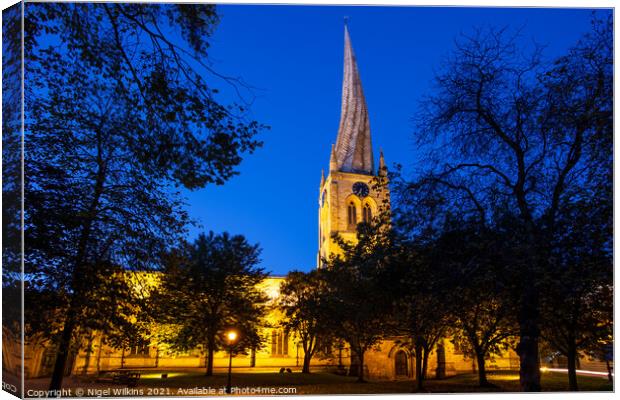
(353, 145)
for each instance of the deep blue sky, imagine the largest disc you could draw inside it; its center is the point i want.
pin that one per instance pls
(294, 55)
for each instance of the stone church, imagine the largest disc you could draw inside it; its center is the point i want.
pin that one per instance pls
(346, 197)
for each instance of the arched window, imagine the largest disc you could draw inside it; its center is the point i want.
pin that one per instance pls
(279, 343)
(367, 213)
(401, 362)
(352, 214)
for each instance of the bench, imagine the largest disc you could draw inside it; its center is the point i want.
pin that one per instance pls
(127, 378)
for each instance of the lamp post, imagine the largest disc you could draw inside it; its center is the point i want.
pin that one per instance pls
(232, 336)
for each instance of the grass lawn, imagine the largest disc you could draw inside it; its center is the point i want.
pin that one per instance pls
(509, 382)
(184, 383)
(325, 383)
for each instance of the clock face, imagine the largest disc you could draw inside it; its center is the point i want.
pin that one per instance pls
(360, 189)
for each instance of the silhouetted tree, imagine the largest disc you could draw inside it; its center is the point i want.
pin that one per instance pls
(421, 295)
(356, 298)
(480, 307)
(578, 305)
(504, 130)
(209, 287)
(582, 266)
(305, 313)
(119, 116)
(124, 298)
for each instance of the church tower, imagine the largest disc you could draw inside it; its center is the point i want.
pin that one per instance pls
(347, 196)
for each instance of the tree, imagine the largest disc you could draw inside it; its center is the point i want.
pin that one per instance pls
(114, 308)
(302, 301)
(420, 306)
(125, 299)
(578, 309)
(355, 298)
(504, 130)
(582, 266)
(481, 312)
(210, 287)
(119, 116)
(12, 289)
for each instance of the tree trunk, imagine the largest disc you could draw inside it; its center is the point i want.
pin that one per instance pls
(610, 378)
(572, 367)
(70, 321)
(425, 362)
(309, 346)
(527, 349)
(353, 367)
(63, 351)
(419, 374)
(99, 357)
(529, 372)
(482, 373)
(89, 352)
(210, 352)
(360, 359)
(305, 369)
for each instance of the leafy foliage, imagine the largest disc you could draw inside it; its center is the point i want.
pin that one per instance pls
(353, 278)
(120, 115)
(578, 309)
(12, 306)
(209, 287)
(302, 300)
(421, 296)
(482, 315)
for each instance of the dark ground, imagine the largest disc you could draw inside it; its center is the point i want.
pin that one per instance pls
(181, 383)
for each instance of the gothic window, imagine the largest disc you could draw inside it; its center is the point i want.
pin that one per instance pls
(367, 213)
(324, 347)
(279, 343)
(49, 357)
(352, 214)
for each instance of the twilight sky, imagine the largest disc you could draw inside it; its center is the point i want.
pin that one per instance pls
(293, 55)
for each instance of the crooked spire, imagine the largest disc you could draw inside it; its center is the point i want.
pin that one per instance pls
(353, 145)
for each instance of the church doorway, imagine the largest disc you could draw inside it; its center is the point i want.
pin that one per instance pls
(401, 364)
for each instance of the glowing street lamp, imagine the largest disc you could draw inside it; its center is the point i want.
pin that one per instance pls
(232, 338)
